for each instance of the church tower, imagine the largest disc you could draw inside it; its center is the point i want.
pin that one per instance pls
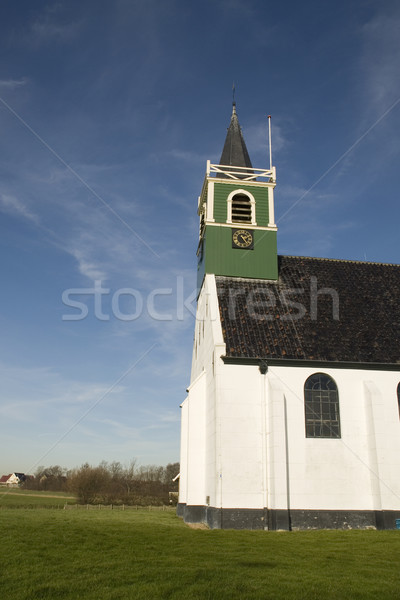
(222, 469)
(237, 235)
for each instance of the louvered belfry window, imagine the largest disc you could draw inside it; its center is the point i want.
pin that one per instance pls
(321, 400)
(241, 209)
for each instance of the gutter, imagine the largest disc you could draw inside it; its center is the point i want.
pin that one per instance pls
(265, 362)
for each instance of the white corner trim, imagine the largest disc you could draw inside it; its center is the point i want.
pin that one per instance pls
(245, 226)
(210, 202)
(215, 319)
(271, 208)
(195, 381)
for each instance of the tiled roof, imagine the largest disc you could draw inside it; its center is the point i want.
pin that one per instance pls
(351, 312)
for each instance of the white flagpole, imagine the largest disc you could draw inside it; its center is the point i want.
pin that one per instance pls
(270, 144)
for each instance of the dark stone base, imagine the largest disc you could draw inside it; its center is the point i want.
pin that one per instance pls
(273, 520)
(343, 519)
(236, 518)
(227, 518)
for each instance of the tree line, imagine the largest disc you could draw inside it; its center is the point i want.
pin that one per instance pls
(110, 483)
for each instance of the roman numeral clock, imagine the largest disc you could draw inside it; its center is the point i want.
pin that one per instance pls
(242, 239)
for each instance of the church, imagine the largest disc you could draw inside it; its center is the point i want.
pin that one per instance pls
(292, 415)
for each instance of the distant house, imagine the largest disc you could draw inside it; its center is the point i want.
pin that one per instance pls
(12, 480)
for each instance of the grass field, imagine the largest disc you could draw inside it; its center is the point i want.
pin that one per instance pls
(117, 555)
(16, 498)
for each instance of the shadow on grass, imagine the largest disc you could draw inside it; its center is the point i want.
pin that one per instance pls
(258, 564)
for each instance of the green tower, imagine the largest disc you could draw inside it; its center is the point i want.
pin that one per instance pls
(236, 210)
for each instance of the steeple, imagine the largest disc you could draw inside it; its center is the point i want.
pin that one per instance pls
(235, 151)
(237, 234)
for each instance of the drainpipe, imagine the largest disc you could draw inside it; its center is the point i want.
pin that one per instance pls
(263, 367)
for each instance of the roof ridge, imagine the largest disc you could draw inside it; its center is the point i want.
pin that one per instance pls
(344, 260)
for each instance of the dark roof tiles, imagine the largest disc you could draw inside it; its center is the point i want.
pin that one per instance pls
(319, 309)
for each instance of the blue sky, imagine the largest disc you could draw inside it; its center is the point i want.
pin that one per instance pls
(108, 113)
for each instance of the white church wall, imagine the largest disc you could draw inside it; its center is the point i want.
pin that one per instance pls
(276, 446)
(384, 425)
(373, 410)
(359, 471)
(183, 479)
(241, 433)
(196, 441)
(207, 349)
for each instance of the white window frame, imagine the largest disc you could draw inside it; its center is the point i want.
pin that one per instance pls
(252, 204)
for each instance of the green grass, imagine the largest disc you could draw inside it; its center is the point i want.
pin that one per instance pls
(118, 555)
(16, 498)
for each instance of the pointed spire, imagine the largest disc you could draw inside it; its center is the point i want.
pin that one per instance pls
(235, 151)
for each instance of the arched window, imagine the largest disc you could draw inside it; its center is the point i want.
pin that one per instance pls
(241, 209)
(321, 400)
(398, 397)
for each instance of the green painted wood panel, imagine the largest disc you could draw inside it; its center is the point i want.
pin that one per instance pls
(221, 259)
(262, 207)
(222, 191)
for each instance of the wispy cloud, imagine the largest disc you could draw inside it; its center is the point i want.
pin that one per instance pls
(87, 267)
(189, 156)
(381, 58)
(11, 84)
(52, 25)
(27, 392)
(122, 430)
(142, 423)
(83, 181)
(13, 206)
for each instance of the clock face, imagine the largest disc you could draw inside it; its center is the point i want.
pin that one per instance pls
(242, 238)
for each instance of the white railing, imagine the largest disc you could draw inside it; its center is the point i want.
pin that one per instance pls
(234, 174)
(241, 173)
